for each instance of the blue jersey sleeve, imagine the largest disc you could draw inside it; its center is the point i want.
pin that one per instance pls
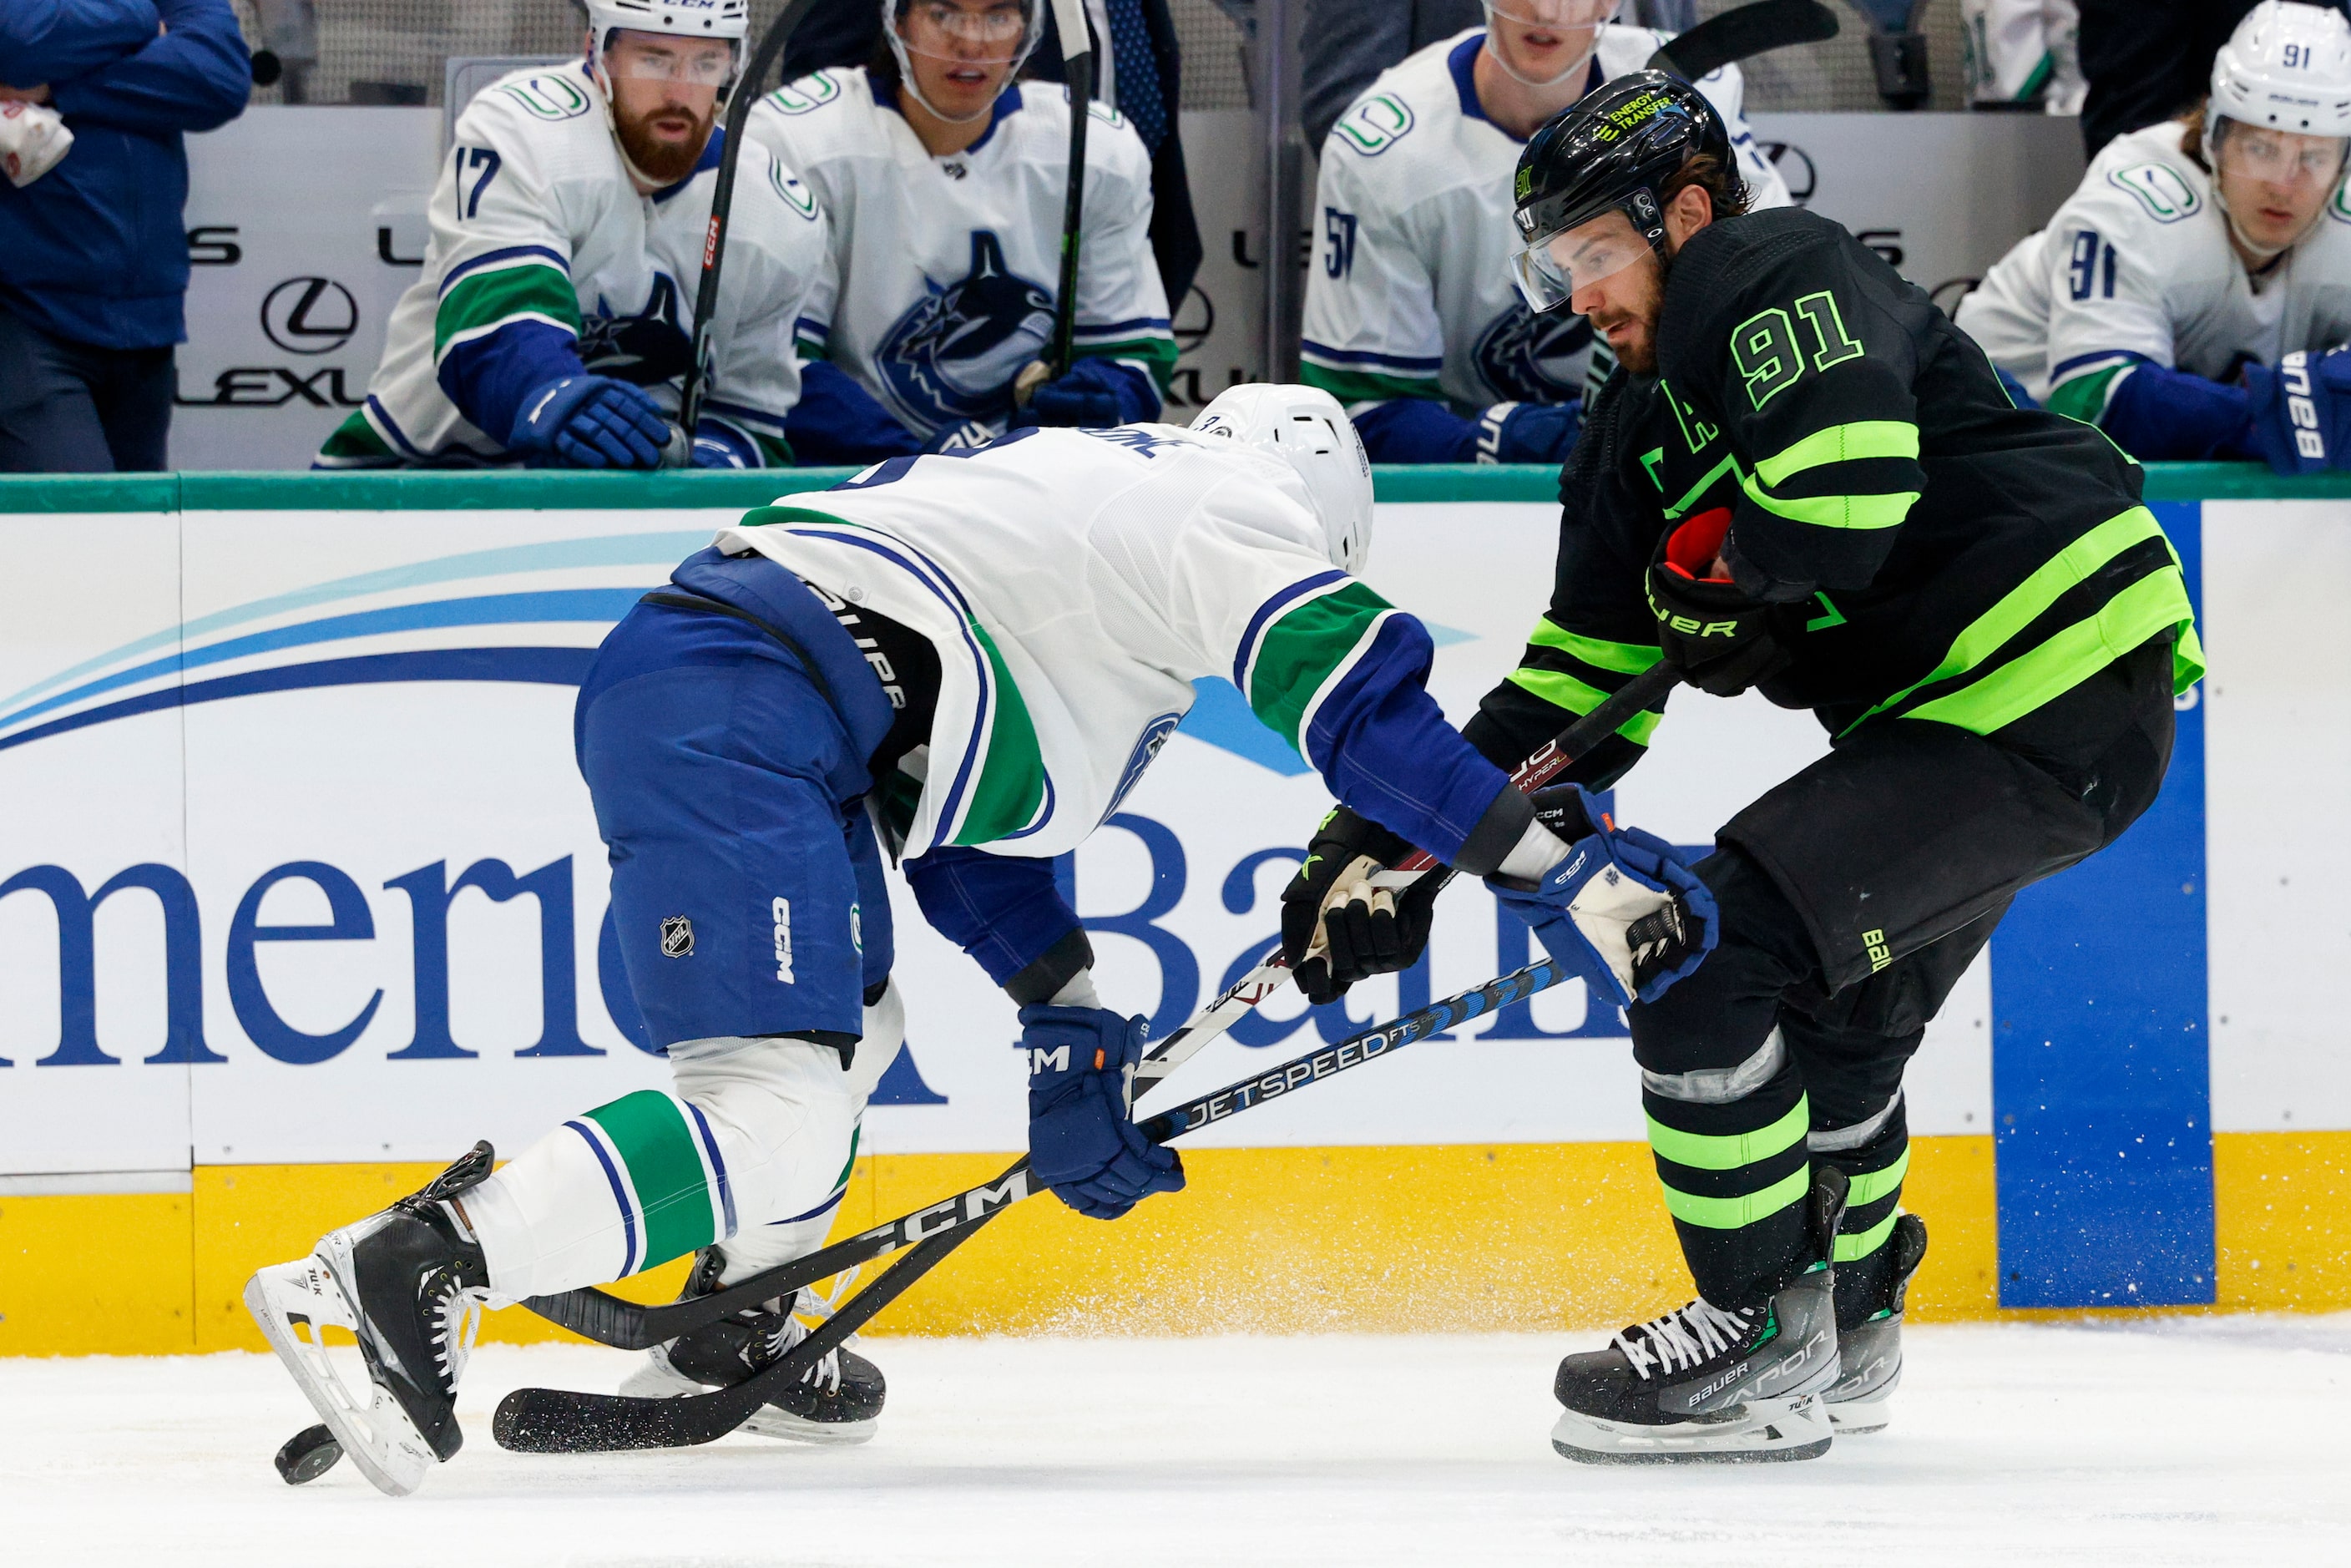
(488, 377)
(194, 77)
(1006, 911)
(2161, 415)
(1416, 430)
(838, 421)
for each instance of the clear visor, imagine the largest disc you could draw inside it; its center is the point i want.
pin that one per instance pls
(1563, 15)
(1549, 271)
(2277, 157)
(634, 55)
(968, 34)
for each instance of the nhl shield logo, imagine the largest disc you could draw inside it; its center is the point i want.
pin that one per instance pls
(677, 938)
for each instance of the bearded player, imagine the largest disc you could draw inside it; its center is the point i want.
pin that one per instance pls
(555, 318)
(1804, 480)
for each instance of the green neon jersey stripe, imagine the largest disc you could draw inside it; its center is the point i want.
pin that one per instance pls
(486, 299)
(673, 1195)
(1841, 444)
(1624, 658)
(1836, 511)
(1368, 386)
(1730, 1213)
(1579, 697)
(2150, 605)
(1728, 1151)
(1690, 497)
(1871, 1186)
(2028, 599)
(1861, 1243)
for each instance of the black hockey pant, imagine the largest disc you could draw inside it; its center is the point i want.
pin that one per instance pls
(1854, 896)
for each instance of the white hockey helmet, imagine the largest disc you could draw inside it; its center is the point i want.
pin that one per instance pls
(2286, 67)
(727, 19)
(1306, 428)
(999, 44)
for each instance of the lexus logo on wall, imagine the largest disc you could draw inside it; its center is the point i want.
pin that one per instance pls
(309, 316)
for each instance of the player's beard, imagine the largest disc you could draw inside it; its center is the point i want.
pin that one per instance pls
(663, 163)
(1638, 353)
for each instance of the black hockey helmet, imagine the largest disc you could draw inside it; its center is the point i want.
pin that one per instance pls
(1610, 152)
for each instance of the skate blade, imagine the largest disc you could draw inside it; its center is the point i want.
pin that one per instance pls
(292, 1303)
(655, 1378)
(1764, 1431)
(1865, 1413)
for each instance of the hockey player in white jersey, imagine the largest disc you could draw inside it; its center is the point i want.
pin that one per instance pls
(2185, 296)
(1411, 318)
(554, 320)
(943, 179)
(991, 646)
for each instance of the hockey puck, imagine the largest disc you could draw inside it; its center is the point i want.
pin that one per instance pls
(307, 1455)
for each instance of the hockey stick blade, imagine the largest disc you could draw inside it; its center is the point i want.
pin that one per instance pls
(555, 1420)
(1743, 33)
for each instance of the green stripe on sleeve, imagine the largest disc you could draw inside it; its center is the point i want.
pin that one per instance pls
(1156, 353)
(487, 299)
(1576, 696)
(2146, 607)
(1300, 652)
(1836, 511)
(1841, 444)
(2086, 397)
(1728, 1151)
(1871, 1186)
(2028, 599)
(1730, 1213)
(1010, 789)
(1353, 387)
(1861, 1243)
(1624, 658)
(674, 1195)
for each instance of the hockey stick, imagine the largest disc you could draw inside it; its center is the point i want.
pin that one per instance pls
(552, 1420)
(631, 1325)
(1741, 32)
(1078, 72)
(722, 206)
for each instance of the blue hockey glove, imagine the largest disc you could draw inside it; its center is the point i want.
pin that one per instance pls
(2302, 411)
(1528, 431)
(590, 422)
(1623, 909)
(1088, 396)
(717, 445)
(1083, 1140)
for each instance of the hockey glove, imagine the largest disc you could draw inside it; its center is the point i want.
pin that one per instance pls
(1719, 639)
(1623, 909)
(33, 139)
(1528, 431)
(1083, 1140)
(717, 445)
(590, 422)
(1336, 928)
(2301, 412)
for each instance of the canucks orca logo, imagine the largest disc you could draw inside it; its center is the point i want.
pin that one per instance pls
(954, 356)
(645, 349)
(1527, 358)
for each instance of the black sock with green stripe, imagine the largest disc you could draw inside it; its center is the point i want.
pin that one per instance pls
(1735, 1176)
(1864, 1263)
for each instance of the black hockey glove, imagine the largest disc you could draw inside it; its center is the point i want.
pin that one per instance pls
(1362, 931)
(1719, 639)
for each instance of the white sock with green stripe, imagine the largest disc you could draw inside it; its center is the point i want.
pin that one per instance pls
(757, 1131)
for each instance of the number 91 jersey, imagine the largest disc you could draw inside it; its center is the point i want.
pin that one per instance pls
(2137, 268)
(1409, 293)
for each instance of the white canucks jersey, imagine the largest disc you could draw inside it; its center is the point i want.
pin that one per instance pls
(945, 269)
(2137, 268)
(1075, 583)
(534, 219)
(1410, 292)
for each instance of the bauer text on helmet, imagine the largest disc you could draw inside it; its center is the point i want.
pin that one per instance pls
(1306, 428)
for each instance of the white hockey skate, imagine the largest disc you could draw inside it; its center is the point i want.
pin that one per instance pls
(409, 1285)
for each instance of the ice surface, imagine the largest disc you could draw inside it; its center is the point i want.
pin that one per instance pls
(2187, 1441)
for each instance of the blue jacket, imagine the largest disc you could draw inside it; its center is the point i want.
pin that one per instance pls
(93, 251)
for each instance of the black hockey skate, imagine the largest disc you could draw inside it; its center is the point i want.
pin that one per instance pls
(1869, 1353)
(409, 1283)
(1706, 1384)
(839, 1400)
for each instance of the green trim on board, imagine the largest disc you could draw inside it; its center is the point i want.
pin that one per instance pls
(529, 489)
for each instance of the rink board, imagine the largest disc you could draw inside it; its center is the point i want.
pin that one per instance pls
(298, 874)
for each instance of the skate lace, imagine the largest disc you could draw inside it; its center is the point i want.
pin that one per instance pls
(826, 1373)
(452, 1341)
(1683, 1337)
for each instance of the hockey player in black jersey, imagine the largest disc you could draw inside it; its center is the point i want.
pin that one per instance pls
(1804, 479)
